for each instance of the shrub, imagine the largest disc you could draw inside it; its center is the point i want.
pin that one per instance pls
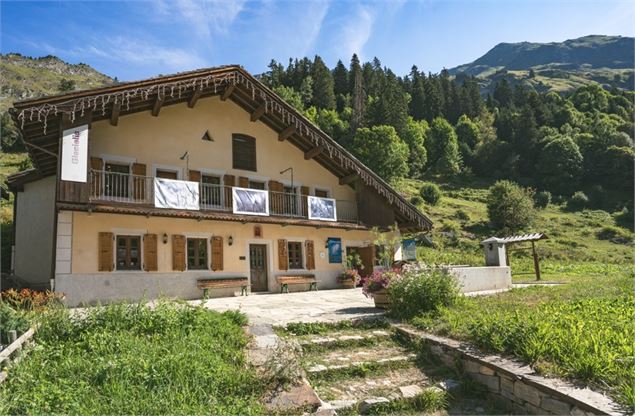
(615, 235)
(29, 300)
(542, 199)
(462, 215)
(430, 193)
(416, 200)
(11, 320)
(378, 280)
(510, 207)
(419, 290)
(578, 201)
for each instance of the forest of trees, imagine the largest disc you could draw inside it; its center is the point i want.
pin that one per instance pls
(426, 124)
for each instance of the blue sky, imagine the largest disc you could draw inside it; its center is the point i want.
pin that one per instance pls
(138, 39)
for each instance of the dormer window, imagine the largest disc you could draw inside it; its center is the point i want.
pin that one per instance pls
(244, 152)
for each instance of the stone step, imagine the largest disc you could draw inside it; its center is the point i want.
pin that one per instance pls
(345, 339)
(320, 368)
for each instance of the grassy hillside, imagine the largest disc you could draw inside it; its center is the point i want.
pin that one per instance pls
(461, 223)
(557, 66)
(24, 77)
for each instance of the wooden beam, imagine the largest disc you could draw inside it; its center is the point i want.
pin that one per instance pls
(311, 153)
(228, 91)
(286, 133)
(258, 112)
(348, 179)
(114, 114)
(157, 106)
(194, 98)
(41, 149)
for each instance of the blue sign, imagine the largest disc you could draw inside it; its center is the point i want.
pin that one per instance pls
(409, 249)
(335, 249)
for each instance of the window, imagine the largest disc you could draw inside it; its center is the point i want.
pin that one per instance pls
(244, 152)
(128, 252)
(321, 193)
(196, 253)
(117, 180)
(211, 190)
(256, 185)
(167, 174)
(295, 254)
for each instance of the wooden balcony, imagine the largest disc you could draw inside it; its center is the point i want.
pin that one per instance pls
(120, 188)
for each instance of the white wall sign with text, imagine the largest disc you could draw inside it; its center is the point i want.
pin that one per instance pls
(75, 154)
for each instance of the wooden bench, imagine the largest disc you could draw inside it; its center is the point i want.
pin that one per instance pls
(287, 280)
(207, 284)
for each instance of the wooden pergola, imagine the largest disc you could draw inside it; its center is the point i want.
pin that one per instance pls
(531, 238)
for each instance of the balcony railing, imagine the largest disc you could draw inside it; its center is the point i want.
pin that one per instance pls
(136, 189)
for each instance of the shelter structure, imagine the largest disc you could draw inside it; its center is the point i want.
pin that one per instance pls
(497, 252)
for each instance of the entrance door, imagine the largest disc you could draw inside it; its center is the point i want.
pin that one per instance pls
(367, 255)
(258, 267)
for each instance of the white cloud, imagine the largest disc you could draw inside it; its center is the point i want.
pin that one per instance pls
(357, 30)
(205, 17)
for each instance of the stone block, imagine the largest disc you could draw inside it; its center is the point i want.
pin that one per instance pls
(555, 406)
(491, 382)
(449, 384)
(576, 411)
(471, 366)
(533, 410)
(410, 391)
(507, 384)
(486, 370)
(366, 407)
(527, 393)
(342, 404)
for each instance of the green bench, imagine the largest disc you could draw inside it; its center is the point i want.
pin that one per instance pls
(287, 280)
(217, 283)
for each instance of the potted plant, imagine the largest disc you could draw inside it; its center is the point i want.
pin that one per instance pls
(376, 286)
(348, 278)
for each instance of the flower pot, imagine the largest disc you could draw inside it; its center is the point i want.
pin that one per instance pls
(348, 284)
(381, 299)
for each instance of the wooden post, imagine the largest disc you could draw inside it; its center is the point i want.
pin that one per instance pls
(13, 335)
(536, 263)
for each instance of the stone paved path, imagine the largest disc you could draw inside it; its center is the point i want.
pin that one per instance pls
(281, 309)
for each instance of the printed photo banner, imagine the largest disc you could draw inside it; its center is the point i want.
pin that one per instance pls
(409, 248)
(335, 249)
(323, 209)
(250, 201)
(75, 154)
(170, 193)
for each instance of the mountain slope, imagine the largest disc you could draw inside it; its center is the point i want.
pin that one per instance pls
(559, 66)
(24, 77)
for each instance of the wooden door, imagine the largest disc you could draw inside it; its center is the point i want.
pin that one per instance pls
(258, 267)
(367, 255)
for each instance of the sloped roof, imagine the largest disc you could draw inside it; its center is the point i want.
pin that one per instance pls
(516, 238)
(40, 122)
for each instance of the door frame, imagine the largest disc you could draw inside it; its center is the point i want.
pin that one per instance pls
(268, 253)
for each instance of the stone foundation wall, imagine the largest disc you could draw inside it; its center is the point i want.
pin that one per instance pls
(514, 385)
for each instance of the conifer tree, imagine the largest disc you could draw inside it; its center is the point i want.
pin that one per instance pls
(323, 95)
(340, 79)
(358, 96)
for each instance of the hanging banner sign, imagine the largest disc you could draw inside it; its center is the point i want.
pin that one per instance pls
(323, 209)
(409, 249)
(75, 154)
(250, 201)
(335, 249)
(170, 193)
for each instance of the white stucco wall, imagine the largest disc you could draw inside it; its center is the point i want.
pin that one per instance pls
(475, 279)
(34, 232)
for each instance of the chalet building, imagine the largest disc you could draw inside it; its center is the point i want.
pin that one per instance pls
(142, 189)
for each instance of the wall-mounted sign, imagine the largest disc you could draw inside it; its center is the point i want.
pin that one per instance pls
(334, 246)
(323, 209)
(409, 249)
(250, 201)
(170, 193)
(75, 154)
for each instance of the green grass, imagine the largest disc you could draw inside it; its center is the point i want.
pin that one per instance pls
(582, 330)
(172, 359)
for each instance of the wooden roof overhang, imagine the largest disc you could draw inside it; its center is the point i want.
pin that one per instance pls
(40, 121)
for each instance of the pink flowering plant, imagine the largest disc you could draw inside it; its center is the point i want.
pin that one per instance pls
(378, 280)
(348, 275)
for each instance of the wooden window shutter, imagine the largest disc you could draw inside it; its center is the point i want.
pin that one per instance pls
(304, 191)
(96, 164)
(106, 262)
(228, 181)
(150, 261)
(217, 253)
(178, 253)
(139, 181)
(310, 255)
(283, 255)
(243, 182)
(195, 176)
(275, 196)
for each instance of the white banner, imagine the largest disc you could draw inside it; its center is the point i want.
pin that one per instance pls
(170, 193)
(250, 201)
(323, 209)
(75, 154)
